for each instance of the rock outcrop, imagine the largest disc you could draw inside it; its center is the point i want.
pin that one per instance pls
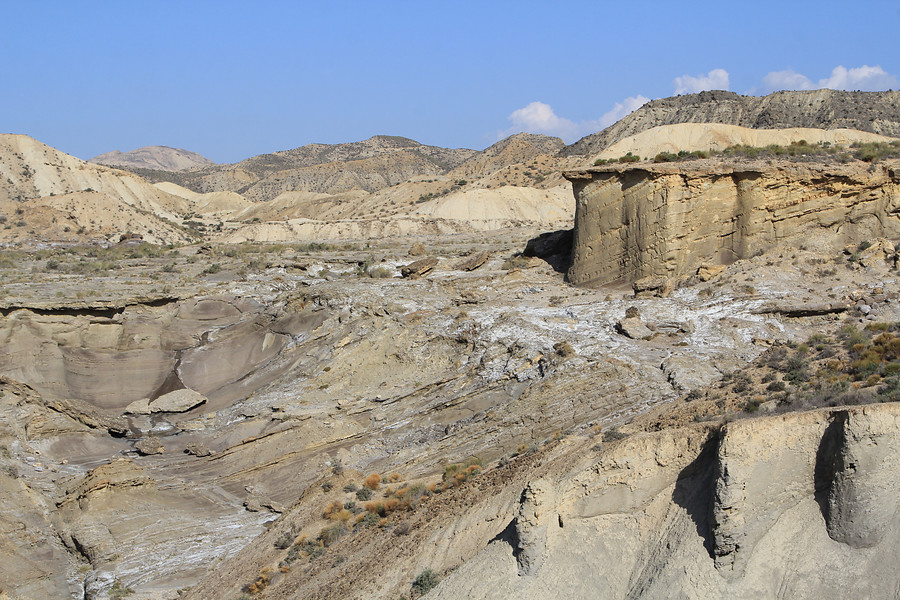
(792, 506)
(642, 221)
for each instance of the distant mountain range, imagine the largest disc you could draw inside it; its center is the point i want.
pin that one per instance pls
(153, 157)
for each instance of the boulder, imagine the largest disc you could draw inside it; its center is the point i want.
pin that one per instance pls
(148, 446)
(687, 373)
(634, 328)
(419, 268)
(880, 252)
(139, 407)
(706, 272)
(473, 261)
(197, 449)
(653, 286)
(178, 401)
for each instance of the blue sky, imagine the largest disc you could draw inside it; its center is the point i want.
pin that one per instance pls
(235, 79)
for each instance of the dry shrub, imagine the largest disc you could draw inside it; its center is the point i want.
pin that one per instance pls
(395, 477)
(261, 583)
(372, 481)
(332, 508)
(341, 515)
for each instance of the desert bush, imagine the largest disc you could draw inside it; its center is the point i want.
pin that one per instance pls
(665, 157)
(372, 481)
(517, 261)
(776, 386)
(364, 494)
(263, 580)
(285, 540)
(628, 157)
(424, 582)
(332, 533)
(119, 591)
(613, 434)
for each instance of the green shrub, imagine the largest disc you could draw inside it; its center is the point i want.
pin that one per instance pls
(332, 533)
(425, 582)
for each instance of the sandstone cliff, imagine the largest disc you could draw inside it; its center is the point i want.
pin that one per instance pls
(795, 506)
(668, 219)
(875, 112)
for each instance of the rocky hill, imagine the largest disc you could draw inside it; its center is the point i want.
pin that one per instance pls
(691, 137)
(369, 165)
(47, 195)
(875, 112)
(153, 157)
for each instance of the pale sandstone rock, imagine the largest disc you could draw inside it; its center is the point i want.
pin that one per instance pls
(139, 407)
(634, 328)
(706, 272)
(687, 373)
(536, 513)
(177, 401)
(633, 222)
(736, 513)
(880, 252)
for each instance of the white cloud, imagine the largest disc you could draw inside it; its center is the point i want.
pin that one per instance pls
(787, 80)
(866, 78)
(539, 117)
(717, 79)
(619, 110)
(863, 78)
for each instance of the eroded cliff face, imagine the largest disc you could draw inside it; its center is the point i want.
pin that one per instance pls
(794, 506)
(668, 219)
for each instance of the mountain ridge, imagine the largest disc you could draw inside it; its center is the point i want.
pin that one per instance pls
(874, 112)
(153, 157)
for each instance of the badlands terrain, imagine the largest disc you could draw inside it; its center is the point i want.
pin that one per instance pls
(389, 370)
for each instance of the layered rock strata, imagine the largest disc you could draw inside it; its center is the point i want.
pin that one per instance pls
(792, 506)
(669, 219)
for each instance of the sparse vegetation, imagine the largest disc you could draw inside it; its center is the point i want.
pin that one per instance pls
(424, 582)
(119, 591)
